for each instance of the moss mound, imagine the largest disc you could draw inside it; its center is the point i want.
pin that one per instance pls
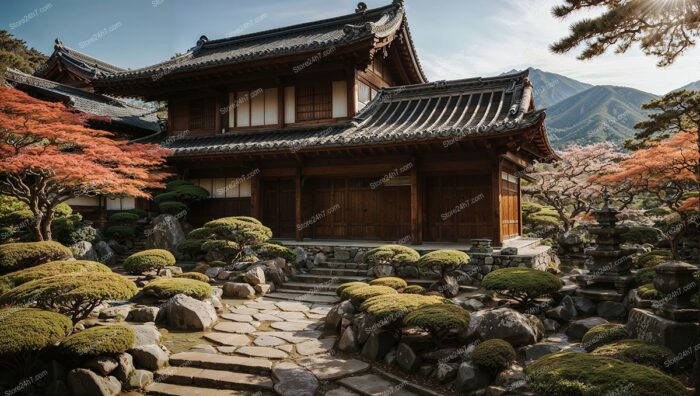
(100, 340)
(438, 319)
(569, 373)
(413, 289)
(345, 286)
(653, 258)
(74, 295)
(396, 306)
(172, 207)
(358, 295)
(395, 255)
(603, 334)
(394, 283)
(16, 256)
(443, 261)
(521, 284)
(148, 260)
(120, 232)
(169, 287)
(637, 351)
(28, 329)
(194, 275)
(649, 292)
(644, 276)
(52, 268)
(271, 251)
(493, 355)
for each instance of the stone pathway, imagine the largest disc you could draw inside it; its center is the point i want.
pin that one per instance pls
(268, 347)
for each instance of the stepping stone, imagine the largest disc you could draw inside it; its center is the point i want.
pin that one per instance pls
(227, 339)
(234, 327)
(293, 380)
(340, 392)
(268, 341)
(163, 389)
(292, 306)
(320, 310)
(315, 347)
(293, 337)
(263, 317)
(244, 310)
(213, 378)
(292, 326)
(261, 305)
(235, 317)
(287, 348)
(226, 350)
(221, 362)
(315, 316)
(263, 352)
(292, 315)
(330, 368)
(373, 385)
(275, 312)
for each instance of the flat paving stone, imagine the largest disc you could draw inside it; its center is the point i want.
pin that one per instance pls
(262, 352)
(234, 327)
(268, 341)
(340, 392)
(292, 306)
(373, 385)
(221, 362)
(236, 317)
(293, 380)
(244, 310)
(321, 310)
(261, 305)
(292, 326)
(315, 316)
(287, 348)
(315, 347)
(263, 317)
(213, 378)
(163, 389)
(292, 315)
(227, 350)
(330, 368)
(295, 337)
(227, 339)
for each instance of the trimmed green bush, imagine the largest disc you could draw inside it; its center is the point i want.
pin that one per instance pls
(392, 282)
(168, 287)
(191, 247)
(569, 373)
(438, 320)
(71, 229)
(123, 218)
(201, 233)
(394, 255)
(271, 251)
(172, 185)
(345, 286)
(20, 217)
(189, 194)
(25, 330)
(52, 268)
(100, 340)
(637, 351)
(653, 258)
(148, 260)
(493, 355)
(396, 306)
(221, 245)
(231, 237)
(194, 275)
(649, 292)
(644, 276)
(243, 230)
(603, 334)
(641, 235)
(172, 207)
(443, 261)
(138, 212)
(166, 197)
(120, 233)
(358, 295)
(15, 256)
(413, 289)
(74, 295)
(63, 210)
(521, 284)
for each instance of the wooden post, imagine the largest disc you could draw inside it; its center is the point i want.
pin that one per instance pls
(496, 201)
(352, 87)
(255, 198)
(297, 205)
(416, 205)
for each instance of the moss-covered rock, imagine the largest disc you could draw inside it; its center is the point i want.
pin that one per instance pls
(16, 256)
(172, 207)
(493, 355)
(637, 351)
(443, 261)
(649, 292)
(345, 286)
(413, 289)
(29, 330)
(52, 268)
(100, 340)
(653, 258)
(644, 276)
(521, 284)
(194, 275)
(271, 251)
(120, 232)
(394, 307)
(438, 319)
(567, 373)
(358, 295)
(603, 334)
(148, 260)
(392, 282)
(394, 255)
(74, 295)
(169, 287)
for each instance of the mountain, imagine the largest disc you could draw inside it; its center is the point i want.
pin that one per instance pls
(551, 88)
(694, 86)
(600, 113)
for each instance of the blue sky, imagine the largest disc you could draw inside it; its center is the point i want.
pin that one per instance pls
(454, 38)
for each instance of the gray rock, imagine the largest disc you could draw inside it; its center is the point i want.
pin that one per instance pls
(550, 325)
(102, 365)
(409, 272)
(255, 275)
(165, 233)
(444, 372)
(146, 334)
(534, 352)
(510, 376)
(125, 368)
(470, 378)
(407, 358)
(472, 304)
(213, 272)
(584, 305)
(378, 344)
(347, 342)
(341, 254)
(300, 255)
(509, 325)
(293, 380)
(509, 251)
(143, 314)
(611, 310)
(263, 289)
(149, 357)
(224, 275)
(390, 357)
(139, 379)
(320, 258)
(381, 270)
(84, 250)
(105, 254)
(238, 290)
(425, 370)
(336, 314)
(578, 328)
(183, 312)
(119, 312)
(216, 302)
(83, 382)
(203, 348)
(447, 286)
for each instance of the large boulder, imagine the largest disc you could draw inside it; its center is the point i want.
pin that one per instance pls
(83, 382)
(105, 254)
(183, 312)
(142, 314)
(84, 250)
(102, 365)
(238, 290)
(146, 334)
(509, 325)
(470, 378)
(255, 275)
(166, 233)
(149, 357)
(580, 327)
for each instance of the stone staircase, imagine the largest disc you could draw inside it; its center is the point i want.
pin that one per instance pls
(138, 246)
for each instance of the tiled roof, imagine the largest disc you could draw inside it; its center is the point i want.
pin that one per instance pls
(414, 113)
(86, 65)
(296, 39)
(87, 102)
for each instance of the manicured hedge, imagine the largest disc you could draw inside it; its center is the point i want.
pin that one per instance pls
(191, 247)
(194, 275)
(165, 288)
(603, 334)
(15, 256)
(123, 218)
(52, 268)
(25, 330)
(340, 289)
(100, 340)
(148, 260)
(395, 255)
(653, 258)
(120, 233)
(443, 261)
(438, 319)
(413, 289)
(358, 295)
(493, 355)
(649, 292)
(395, 306)
(271, 251)
(637, 351)
(201, 233)
(521, 284)
(172, 207)
(392, 282)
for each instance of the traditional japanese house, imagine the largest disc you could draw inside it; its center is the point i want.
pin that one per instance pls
(330, 130)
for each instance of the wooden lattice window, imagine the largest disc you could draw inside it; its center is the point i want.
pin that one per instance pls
(202, 114)
(314, 101)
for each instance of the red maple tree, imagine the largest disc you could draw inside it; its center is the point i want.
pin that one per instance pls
(49, 154)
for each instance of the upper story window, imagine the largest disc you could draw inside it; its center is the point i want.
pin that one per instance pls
(202, 114)
(252, 108)
(365, 94)
(220, 188)
(314, 101)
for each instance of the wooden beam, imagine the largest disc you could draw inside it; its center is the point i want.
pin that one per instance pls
(496, 201)
(297, 206)
(416, 205)
(255, 197)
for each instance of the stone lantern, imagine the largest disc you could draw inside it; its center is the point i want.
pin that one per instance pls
(675, 280)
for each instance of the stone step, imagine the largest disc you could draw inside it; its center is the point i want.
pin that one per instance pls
(427, 282)
(305, 297)
(320, 292)
(374, 385)
(163, 389)
(221, 362)
(215, 379)
(338, 271)
(307, 287)
(327, 279)
(342, 265)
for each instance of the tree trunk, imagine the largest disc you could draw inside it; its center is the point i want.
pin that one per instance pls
(46, 221)
(675, 240)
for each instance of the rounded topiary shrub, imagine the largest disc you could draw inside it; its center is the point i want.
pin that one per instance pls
(271, 251)
(138, 212)
(641, 235)
(172, 185)
(52, 268)
(242, 229)
(172, 207)
(100, 340)
(25, 330)
(637, 351)
(570, 373)
(345, 286)
(394, 307)
(443, 261)
(358, 295)
(191, 247)
(15, 256)
(75, 295)
(521, 284)
(166, 197)
(392, 282)
(194, 275)
(394, 255)
(201, 233)
(649, 292)
(120, 232)
(189, 193)
(603, 334)
(123, 218)
(169, 287)
(148, 260)
(438, 319)
(493, 355)
(413, 289)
